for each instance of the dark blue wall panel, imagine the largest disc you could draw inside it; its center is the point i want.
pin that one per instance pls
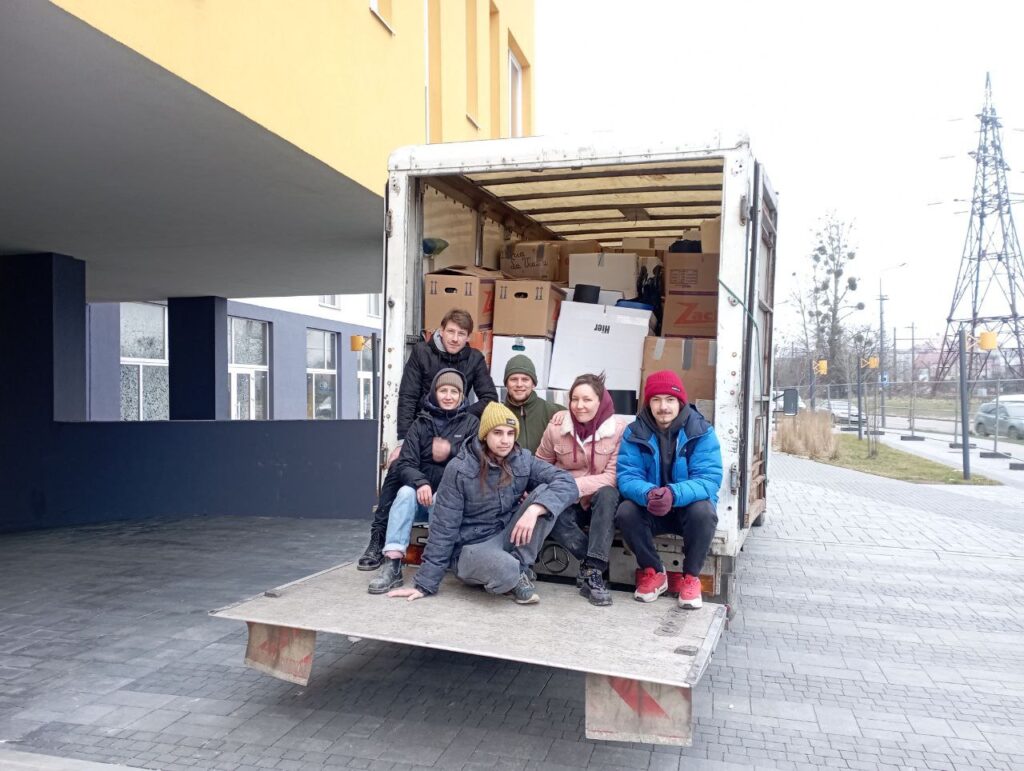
(104, 360)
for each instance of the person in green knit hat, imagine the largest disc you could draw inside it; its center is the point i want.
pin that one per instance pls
(533, 412)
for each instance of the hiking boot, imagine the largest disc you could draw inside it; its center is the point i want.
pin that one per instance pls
(592, 586)
(374, 554)
(524, 592)
(689, 593)
(650, 585)
(390, 577)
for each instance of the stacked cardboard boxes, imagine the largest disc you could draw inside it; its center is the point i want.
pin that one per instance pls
(466, 287)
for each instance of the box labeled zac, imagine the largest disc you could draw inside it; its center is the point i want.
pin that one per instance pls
(528, 308)
(459, 286)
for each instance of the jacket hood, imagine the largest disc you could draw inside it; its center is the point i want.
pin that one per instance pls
(604, 431)
(429, 402)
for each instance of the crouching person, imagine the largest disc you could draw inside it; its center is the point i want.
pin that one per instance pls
(441, 427)
(586, 444)
(669, 472)
(481, 526)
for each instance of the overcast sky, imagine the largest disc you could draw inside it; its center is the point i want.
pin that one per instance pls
(865, 108)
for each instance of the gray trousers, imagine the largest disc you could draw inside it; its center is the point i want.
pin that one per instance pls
(496, 563)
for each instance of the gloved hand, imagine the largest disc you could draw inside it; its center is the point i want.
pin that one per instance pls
(659, 501)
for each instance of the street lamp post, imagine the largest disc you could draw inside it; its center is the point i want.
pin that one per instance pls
(881, 335)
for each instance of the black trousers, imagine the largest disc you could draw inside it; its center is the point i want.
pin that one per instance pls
(695, 523)
(388, 490)
(597, 545)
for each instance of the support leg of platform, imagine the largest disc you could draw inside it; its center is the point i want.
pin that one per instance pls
(281, 651)
(623, 710)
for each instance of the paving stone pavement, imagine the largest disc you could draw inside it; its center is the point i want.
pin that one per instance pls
(880, 626)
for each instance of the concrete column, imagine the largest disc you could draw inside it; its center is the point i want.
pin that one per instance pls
(104, 361)
(42, 341)
(197, 331)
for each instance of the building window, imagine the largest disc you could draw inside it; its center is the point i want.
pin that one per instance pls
(364, 380)
(249, 368)
(321, 375)
(144, 392)
(373, 303)
(515, 96)
(330, 301)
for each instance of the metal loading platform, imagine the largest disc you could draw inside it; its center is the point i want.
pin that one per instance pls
(641, 660)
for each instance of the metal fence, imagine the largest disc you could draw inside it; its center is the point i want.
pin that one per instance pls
(928, 410)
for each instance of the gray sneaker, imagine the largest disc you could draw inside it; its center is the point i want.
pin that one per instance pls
(524, 592)
(592, 586)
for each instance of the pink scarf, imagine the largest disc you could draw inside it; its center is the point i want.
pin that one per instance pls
(586, 430)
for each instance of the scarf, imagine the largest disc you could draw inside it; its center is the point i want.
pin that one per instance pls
(586, 430)
(666, 439)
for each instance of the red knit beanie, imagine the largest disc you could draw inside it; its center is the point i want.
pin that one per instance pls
(664, 383)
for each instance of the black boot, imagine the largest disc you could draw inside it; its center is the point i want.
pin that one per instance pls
(390, 577)
(592, 586)
(373, 555)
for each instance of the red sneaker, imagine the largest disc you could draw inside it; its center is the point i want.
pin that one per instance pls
(689, 592)
(650, 585)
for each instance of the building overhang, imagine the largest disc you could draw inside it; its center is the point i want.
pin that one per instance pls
(163, 190)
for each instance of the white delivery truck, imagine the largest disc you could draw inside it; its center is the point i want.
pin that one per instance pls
(641, 661)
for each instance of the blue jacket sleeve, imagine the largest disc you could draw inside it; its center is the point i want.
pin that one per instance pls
(705, 473)
(443, 536)
(632, 482)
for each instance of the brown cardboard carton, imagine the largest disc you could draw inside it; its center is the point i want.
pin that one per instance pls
(612, 271)
(460, 286)
(526, 308)
(690, 315)
(539, 260)
(660, 243)
(711, 236)
(691, 272)
(693, 360)
(483, 341)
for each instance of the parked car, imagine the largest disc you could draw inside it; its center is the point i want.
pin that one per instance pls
(1010, 418)
(845, 412)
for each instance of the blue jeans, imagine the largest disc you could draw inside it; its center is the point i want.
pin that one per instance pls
(405, 511)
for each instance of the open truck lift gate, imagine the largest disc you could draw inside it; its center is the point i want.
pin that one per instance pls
(641, 660)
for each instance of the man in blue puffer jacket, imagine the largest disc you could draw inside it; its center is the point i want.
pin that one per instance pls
(669, 472)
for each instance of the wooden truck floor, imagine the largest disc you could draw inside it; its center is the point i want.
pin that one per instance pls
(641, 660)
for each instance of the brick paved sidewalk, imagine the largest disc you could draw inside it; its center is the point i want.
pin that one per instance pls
(880, 626)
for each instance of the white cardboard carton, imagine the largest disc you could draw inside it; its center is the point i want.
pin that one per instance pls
(538, 349)
(599, 338)
(605, 297)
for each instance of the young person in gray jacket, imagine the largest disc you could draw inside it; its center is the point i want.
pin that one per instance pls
(481, 526)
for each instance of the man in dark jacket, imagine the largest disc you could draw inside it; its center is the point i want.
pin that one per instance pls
(438, 432)
(447, 348)
(533, 412)
(669, 471)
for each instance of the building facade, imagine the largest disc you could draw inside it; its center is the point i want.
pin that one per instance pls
(190, 237)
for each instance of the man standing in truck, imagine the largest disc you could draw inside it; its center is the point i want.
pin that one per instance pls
(447, 348)
(533, 412)
(669, 472)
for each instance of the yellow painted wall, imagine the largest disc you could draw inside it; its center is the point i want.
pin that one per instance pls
(327, 75)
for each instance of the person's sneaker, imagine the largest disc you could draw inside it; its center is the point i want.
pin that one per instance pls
(650, 585)
(592, 586)
(524, 592)
(374, 554)
(390, 577)
(689, 593)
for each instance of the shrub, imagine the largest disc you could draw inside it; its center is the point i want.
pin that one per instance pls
(808, 434)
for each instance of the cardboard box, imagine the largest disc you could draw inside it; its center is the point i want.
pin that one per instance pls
(706, 407)
(538, 349)
(527, 308)
(605, 298)
(460, 286)
(483, 341)
(690, 315)
(693, 360)
(612, 271)
(569, 248)
(539, 260)
(691, 272)
(711, 236)
(628, 244)
(599, 338)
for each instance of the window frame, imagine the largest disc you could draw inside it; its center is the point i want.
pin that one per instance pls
(325, 303)
(370, 311)
(331, 340)
(234, 370)
(138, 362)
(515, 95)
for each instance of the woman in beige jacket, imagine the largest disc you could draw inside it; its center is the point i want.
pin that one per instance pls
(585, 442)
